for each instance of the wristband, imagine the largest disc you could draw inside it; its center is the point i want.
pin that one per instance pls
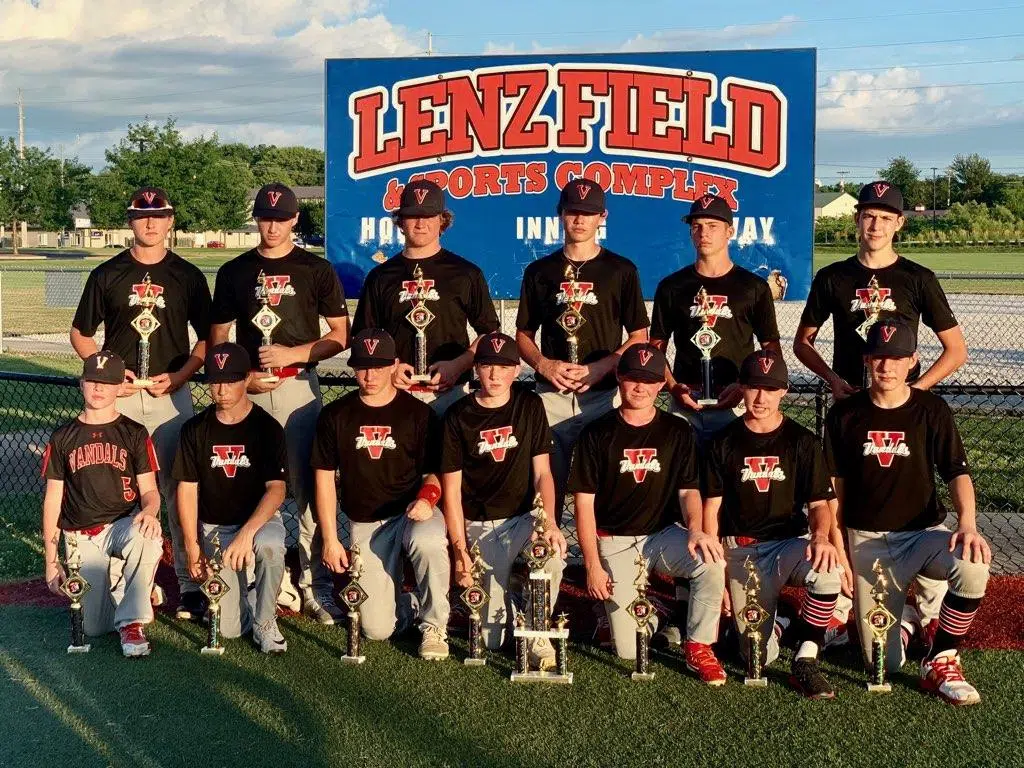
(430, 493)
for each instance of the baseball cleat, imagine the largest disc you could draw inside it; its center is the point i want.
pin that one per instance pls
(944, 677)
(321, 607)
(133, 640)
(289, 598)
(269, 638)
(807, 678)
(668, 636)
(701, 660)
(191, 606)
(433, 646)
(157, 596)
(542, 653)
(837, 634)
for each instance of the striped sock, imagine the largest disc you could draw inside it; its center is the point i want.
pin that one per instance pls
(955, 619)
(815, 613)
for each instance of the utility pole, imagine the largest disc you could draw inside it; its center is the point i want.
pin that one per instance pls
(949, 185)
(934, 169)
(21, 158)
(842, 180)
(430, 43)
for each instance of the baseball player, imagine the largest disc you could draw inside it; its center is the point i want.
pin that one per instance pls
(300, 288)
(496, 449)
(455, 292)
(116, 292)
(633, 471)
(884, 446)
(876, 283)
(739, 308)
(231, 470)
(607, 296)
(376, 452)
(761, 471)
(101, 493)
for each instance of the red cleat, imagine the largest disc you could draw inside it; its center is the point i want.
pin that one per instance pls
(701, 660)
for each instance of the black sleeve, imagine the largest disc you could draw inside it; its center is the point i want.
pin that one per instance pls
(364, 317)
(714, 470)
(330, 296)
(199, 306)
(89, 314)
(687, 468)
(430, 444)
(53, 461)
(634, 311)
(947, 447)
(325, 442)
(223, 309)
(539, 429)
(275, 457)
(817, 484)
(451, 443)
(482, 316)
(834, 463)
(186, 464)
(819, 303)
(935, 310)
(528, 318)
(661, 328)
(587, 459)
(763, 321)
(143, 453)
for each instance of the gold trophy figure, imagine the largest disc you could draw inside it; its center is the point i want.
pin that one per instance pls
(266, 320)
(881, 620)
(642, 611)
(571, 320)
(145, 324)
(353, 596)
(420, 317)
(872, 312)
(475, 597)
(705, 339)
(535, 621)
(754, 617)
(74, 588)
(215, 588)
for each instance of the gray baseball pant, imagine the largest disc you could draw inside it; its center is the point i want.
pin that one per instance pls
(441, 401)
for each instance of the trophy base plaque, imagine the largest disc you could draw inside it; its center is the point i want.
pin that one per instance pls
(538, 676)
(756, 682)
(142, 383)
(422, 378)
(79, 648)
(474, 662)
(642, 676)
(707, 401)
(879, 688)
(268, 378)
(353, 659)
(208, 651)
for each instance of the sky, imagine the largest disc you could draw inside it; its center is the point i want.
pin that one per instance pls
(927, 78)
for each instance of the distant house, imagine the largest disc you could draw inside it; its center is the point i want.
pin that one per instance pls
(833, 204)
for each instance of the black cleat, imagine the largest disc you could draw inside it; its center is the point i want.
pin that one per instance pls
(807, 678)
(191, 606)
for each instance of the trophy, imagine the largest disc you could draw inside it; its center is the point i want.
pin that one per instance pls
(353, 596)
(74, 588)
(214, 588)
(572, 319)
(266, 320)
(705, 339)
(881, 620)
(145, 324)
(535, 620)
(475, 597)
(754, 617)
(420, 317)
(872, 310)
(642, 611)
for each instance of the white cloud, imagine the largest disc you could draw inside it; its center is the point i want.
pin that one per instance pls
(744, 35)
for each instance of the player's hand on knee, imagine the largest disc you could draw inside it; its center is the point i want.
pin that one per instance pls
(821, 554)
(54, 576)
(976, 549)
(708, 547)
(599, 583)
(334, 556)
(239, 554)
(148, 525)
(403, 376)
(419, 510)
(845, 573)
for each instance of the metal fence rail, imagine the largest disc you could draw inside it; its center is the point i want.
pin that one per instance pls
(990, 417)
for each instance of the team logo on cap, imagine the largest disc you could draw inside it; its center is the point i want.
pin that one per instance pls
(139, 292)
(221, 358)
(706, 201)
(273, 197)
(886, 446)
(717, 306)
(582, 190)
(149, 197)
(101, 361)
(498, 344)
(496, 442)
(371, 345)
(576, 295)
(375, 440)
(229, 458)
(639, 461)
(421, 195)
(761, 470)
(276, 286)
(887, 331)
(766, 364)
(645, 356)
(881, 189)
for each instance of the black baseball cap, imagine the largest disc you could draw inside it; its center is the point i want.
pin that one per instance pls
(104, 367)
(880, 194)
(642, 362)
(149, 201)
(227, 363)
(372, 348)
(581, 196)
(496, 349)
(275, 201)
(891, 337)
(709, 207)
(765, 369)
(421, 198)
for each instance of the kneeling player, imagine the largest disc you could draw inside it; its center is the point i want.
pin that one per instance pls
(385, 444)
(101, 491)
(494, 442)
(885, 445)
(761, 471)
(231, 468)
(632, 471)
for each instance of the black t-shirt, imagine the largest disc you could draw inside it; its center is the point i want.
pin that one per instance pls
(382, 453)
(635, 472)
(232, 463)
(887, 460)
(840, 291)
(494, 448)
(743, 309)
(99, 465)
(302, 289)
(609, 300)
(765, 480)
(111, 297)
(457, 294)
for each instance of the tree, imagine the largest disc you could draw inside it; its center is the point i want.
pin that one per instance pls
(973, 179)
(903, 174)
(1015, 199)
(311, 218)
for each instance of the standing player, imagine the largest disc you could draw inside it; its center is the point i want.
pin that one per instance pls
(608, 297)
(301, 288)
(115, 293)
(761, 471)
(376, 452)
(885, 445)
(101, 493)
(740, 308)
(455, 292)
(877, 283)
(496, 441)
(231, 469)
(633, 470)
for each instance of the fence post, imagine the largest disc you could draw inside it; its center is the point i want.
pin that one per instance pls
(1, 312)
(501, 315)
(820, 403)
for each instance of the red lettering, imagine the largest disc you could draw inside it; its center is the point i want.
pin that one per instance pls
(488, 180)
(574, 110)
(653, 94)
(475, 106)
(756, 126)
(629, 179)
(536, 178)
(618, 134)
(701, 140)
(416, 118)
(600, 173)
(661, 179)
(366, 111)
(460, 183)
(525, 130)
(567, 171)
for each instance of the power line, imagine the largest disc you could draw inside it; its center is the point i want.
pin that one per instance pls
(1012, 59)
(921, 87)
